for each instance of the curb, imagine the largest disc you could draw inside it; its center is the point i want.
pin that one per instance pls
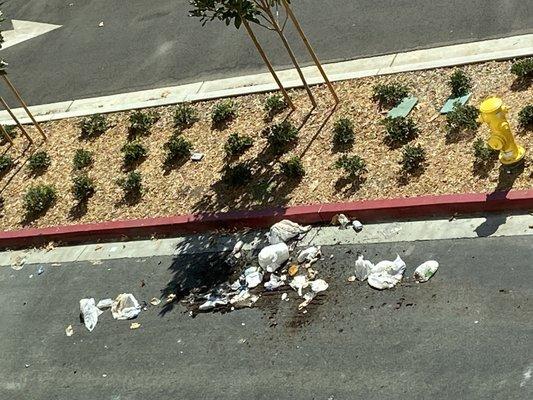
(459, 54)
(367, 211)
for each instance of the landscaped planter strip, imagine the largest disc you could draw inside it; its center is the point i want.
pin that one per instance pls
(367, 211)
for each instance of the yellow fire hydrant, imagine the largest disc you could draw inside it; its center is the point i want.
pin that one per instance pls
(494, 113)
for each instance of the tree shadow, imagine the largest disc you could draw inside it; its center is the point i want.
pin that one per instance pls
(78, 210)
(521, 84)
(456, 136)
(320, 128)
(130, 199)
(30, 217)
(405, 176)
(172, 165)
(349, 185)
(201, 264)
(341, 147)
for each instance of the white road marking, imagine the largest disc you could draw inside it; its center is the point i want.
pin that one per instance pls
(25, 30)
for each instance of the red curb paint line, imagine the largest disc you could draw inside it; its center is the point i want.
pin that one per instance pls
(366, 211)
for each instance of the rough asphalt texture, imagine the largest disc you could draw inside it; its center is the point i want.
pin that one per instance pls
(147, 44)
(413, 342)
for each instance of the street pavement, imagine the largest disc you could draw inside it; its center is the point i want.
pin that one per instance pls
(466, 334)
(146, 44)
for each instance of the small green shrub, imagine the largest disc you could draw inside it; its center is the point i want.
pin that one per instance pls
(279, 136)
(39, 161)
(223, 111)
(82, 158)
(39, 198)
(482, 152)
(400, 129)
(131, 184)
(462, 117)
(275, 104)
(353, 166)
(6, 163)
(238, 175)
(178, 148)
(11, 131)
(185, 116)
(133, 152)
(413, 158)
(459, 83)
(343, 132)
(390, 95)
(523, 68)
(525, 117)
(141, 122)
(95, 125)
(236, 145)
(82, 187)
(293, 168)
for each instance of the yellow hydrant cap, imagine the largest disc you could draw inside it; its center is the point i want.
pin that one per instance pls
(491, 105)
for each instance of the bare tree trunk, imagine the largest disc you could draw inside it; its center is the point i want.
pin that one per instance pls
(279, 31)
(24, 132)
(23, 104)
(268, 64)
(310, 49)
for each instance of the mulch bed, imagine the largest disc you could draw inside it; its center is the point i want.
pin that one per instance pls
(197, 186)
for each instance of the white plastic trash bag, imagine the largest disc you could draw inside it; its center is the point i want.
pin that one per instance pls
(299, 283)
(275, 282)
(90, 313)
(285, 230)
(362, 268)
(425, 271)
(386, 274)
(125, 306)
(310, 255)
(319, 285)
(272, 257)
(253, 277)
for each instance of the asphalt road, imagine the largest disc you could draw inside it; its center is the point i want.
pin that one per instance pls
(148, 44)
(466, 334)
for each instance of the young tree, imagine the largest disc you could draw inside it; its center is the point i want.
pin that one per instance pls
(259, 12)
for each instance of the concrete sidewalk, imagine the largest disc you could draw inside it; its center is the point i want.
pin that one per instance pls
(497, 49)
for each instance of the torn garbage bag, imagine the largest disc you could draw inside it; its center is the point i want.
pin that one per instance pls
(299, 283)
(285, 230)
(105, 303)
(386, 274)
(253, 277)
(272, 257)
(310, 255)
(90, 313)
(125, 306)
(425, 271)
(275, 282)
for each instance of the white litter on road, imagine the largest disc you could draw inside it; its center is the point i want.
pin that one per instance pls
(362, 268)
(90, 313)
(309, 255)
(105, 304)
(387, 274)
(125, 306)
(285, 230)
(425, 271)
(272, 257)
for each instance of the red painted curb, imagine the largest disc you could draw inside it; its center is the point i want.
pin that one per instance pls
(366, 211)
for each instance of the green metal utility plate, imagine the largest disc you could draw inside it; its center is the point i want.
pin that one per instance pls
(404, 108)
(448, 106)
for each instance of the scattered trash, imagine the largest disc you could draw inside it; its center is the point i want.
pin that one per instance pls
(155, 301)
(284, 296)
(319, 285)
(275, 282)
(357, 226)
(425, 271)
(104, 304)
(69, 331)
(308, 297)
(237, 249)
(299, 283)
(340, 219)
(31, 276)
(101, 24)
(213, 301)
(18, 263)
(56, 265)
(135, 325)
(197, 156)
(285, 230)
(310, 255)
(171, 297)
(311, 273)
(386, 274)
(96, 262)
(362, 268)
(293, 270)
(272, 257)
(90, 313)
(352, 278)
(26, 365)
(40, 270)
(242, 341)
(125, 306)
(253, 277)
